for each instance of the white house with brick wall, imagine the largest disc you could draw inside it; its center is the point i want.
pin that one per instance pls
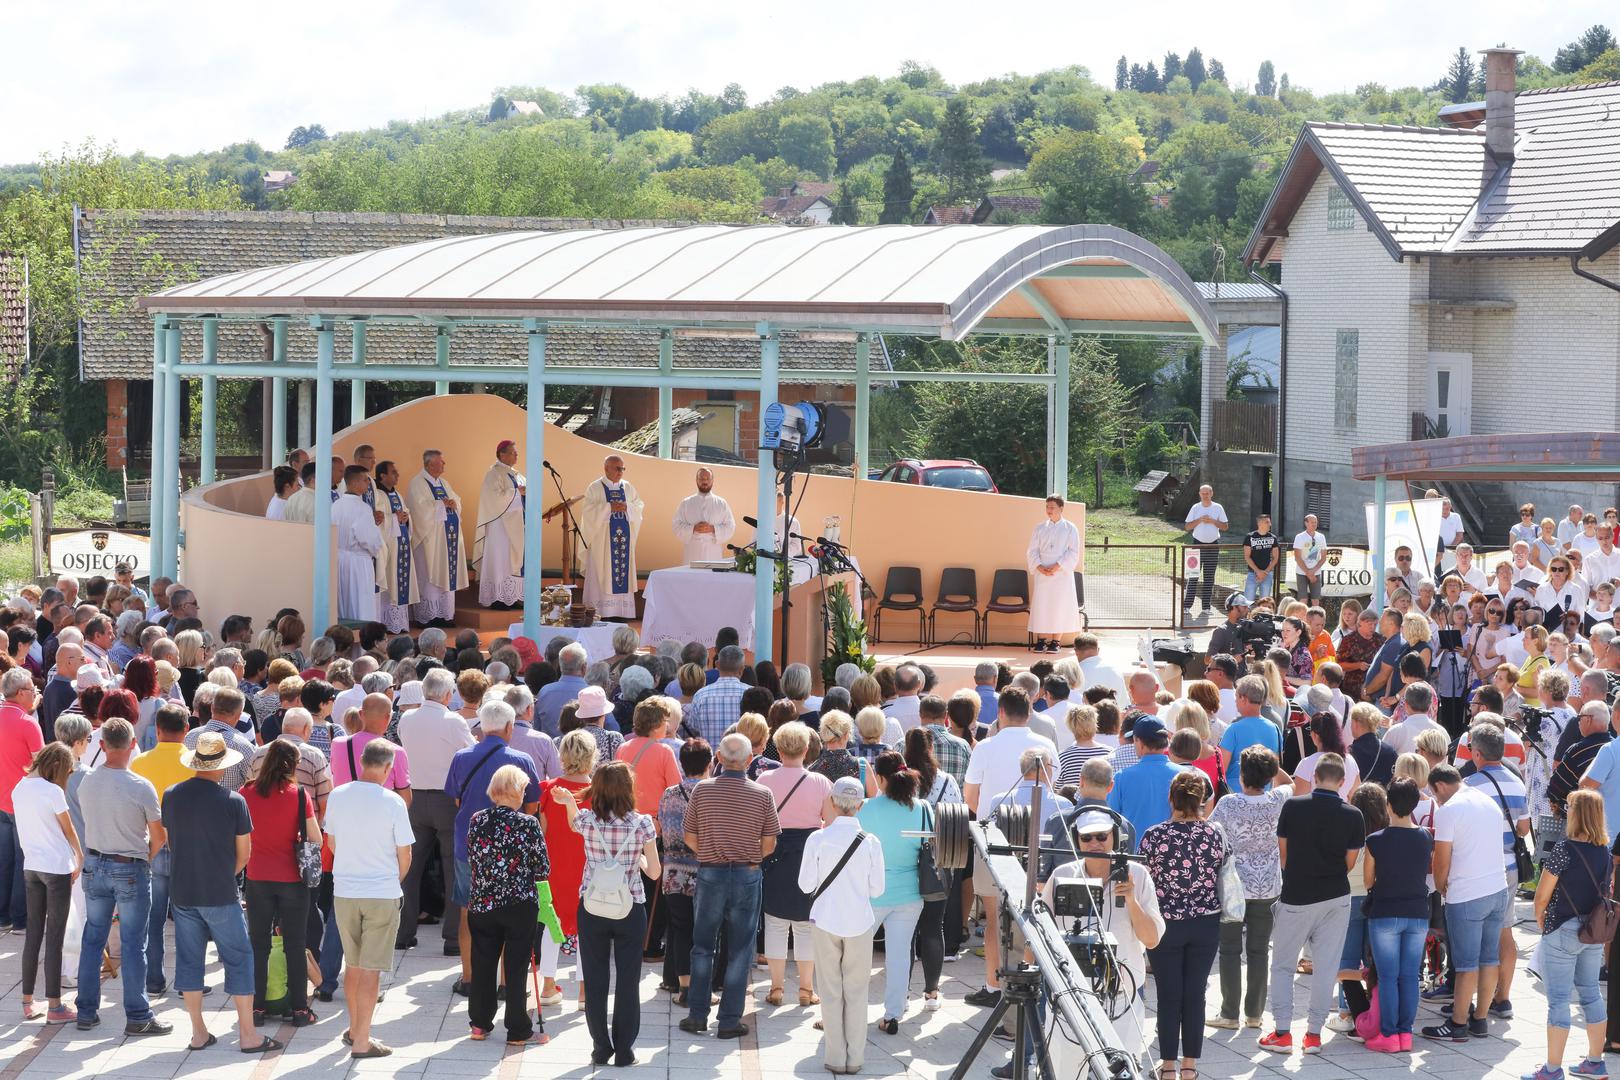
(1449, 280)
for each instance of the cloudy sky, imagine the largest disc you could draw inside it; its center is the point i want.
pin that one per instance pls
(190, 75)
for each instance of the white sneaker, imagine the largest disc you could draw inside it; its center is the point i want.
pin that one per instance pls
(932, 1004)
(1340, 1024)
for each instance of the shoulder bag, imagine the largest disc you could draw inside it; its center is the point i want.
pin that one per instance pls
(471, 773)
(776, 853)
(836, 870)
(609, 894)
(307, 852)
(1524, 865)
(930, 882)
(1598, 926)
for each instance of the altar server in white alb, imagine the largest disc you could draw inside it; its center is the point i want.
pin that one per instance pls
(611, 522)
(359, 541)
(703, 522)
(398, 584)
(498, 540)
(1054, 552)
(436, 529)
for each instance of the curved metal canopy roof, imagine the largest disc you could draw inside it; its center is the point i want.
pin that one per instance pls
(945, 281)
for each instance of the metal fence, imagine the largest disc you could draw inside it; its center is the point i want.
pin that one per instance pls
(1145, 586)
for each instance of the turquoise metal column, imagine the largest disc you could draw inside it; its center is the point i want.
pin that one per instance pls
(357, 387)
(534, 456)
(320, 607)
(765, 536)
(1051, 416)
(1060, 419)
(278, 392)
(666, 394)
(442, 344)
(171, 454)
(210, 399)
(155, 514)
(1380, 500)
(863, 404)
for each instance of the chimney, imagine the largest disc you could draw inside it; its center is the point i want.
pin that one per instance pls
(1500, 90)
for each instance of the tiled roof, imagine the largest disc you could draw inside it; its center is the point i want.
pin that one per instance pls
(949, 215)
(788, 207)
(13, 313)
(1028, 205)
(644, 440)
(814, 188)
(1434, 190)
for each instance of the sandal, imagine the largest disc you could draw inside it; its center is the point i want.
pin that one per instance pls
(210, 1041)
(774, 997)
(266, 1046)
(1167, 1072)
(808, 998)
(377, 1050)
(1189, 1074)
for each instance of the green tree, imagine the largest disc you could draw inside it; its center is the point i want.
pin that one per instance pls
(1194, 199)
(1172, 66)
(736, 135)
(304, 136)
(898, 191)
(1217, 72)
(1266, 84)
(1282, 85)
(1122, 75)
(1193, 68)
(497, 108)
(845, 210)
(957, 157)
(1458, 84)
(1584, 50)
(733, 98)
(1151, 82)
(1605, 67)
(806, 142)
(639, 114)
(1086, 178)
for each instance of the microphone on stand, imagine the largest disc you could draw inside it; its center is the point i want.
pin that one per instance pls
(750, 522)
(548, 467)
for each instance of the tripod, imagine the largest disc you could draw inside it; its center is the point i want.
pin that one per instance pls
(1021, 993)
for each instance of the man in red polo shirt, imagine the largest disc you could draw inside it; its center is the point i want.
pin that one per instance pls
(20, 740)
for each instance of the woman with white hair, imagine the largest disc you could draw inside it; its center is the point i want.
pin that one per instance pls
(846, 675)
(800, 796)
(635, 686)
(507, 852)
(625, 643)
(796, 687)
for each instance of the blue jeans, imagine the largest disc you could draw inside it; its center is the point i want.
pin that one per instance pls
(1570, 968)
(1254, 587)
(1355, 937)
(1474, 931)
(899, 924)
(126, 888)
(159, 919)
(727, 899)
(13, 893)
(331, 958)
(1397, 948)
(225, 924)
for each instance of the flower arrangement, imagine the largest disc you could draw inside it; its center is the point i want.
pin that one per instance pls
(746, 560)
(848, 636)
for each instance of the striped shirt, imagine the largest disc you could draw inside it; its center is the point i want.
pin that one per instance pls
(730, 814)
(1074, 758)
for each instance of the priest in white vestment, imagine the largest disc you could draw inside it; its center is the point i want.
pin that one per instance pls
(301, 504)
(358, 542)
(610, 521)
(1054, 552)
(441, 560)
(498, 540)
(398, 584)
(703, 522)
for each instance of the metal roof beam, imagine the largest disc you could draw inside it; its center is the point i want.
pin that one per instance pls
(1086, 271)
(1044, 307)
(1089, 326)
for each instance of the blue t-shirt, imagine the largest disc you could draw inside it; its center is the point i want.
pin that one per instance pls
(1142, 792)
(886, 819)
(1605, 769)
(1401, 858)
(468, 780)
(1244, 732)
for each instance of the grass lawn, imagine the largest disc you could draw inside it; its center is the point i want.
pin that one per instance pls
(1122, 526)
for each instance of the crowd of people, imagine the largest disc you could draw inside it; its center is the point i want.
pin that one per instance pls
(1384, 794)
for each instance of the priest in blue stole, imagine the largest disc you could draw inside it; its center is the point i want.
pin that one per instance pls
(611, 521)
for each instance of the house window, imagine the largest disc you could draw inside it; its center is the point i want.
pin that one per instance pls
(1341, 212)
(1319, 501)
(1346, 366)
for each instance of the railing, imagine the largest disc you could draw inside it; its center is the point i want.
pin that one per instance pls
(1243, 425)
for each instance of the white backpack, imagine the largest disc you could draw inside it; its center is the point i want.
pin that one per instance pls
(609, 894)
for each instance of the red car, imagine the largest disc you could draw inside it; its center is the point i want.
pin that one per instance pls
(963, 474)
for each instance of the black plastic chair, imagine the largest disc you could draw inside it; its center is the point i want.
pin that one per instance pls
(902, 591)
(1080, 595)
(1009, 595)
(958, 591)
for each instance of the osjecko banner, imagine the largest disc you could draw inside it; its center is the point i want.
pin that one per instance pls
(1347, 572)
(88, 552)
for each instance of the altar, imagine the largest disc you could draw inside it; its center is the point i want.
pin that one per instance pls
(684, 604)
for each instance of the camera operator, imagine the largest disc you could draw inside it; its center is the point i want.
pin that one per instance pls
(1227, 638)
(1132, 920)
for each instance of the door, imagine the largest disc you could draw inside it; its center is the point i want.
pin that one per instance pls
(719, 427)
(1450, 405)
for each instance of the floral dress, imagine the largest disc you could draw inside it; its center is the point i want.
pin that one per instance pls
(507, 853)
(680, 861)
(1184, 858)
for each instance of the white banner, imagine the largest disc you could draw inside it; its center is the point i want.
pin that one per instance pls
(1412, 523)
(1347, 572)
(98, 551)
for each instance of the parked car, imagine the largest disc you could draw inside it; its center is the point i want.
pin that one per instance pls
(963, 474)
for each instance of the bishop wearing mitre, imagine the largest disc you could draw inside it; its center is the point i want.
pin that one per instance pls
(703, 522)
(610, 522)
(498, 540)
(441, 562)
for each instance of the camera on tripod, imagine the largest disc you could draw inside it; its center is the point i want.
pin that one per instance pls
(1528, 723)
(1257, 633)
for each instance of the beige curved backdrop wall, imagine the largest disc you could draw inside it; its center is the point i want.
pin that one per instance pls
(239, 562)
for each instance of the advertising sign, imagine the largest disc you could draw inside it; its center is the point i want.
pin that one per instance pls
(88, 552)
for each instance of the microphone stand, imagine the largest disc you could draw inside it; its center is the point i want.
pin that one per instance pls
(573, 536)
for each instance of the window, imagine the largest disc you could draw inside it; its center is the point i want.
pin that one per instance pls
(1319, 501)
(1341, 212)
(1346, 367)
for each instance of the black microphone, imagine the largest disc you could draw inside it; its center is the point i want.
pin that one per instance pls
(824, 542)
(549, 469)
(751, 522)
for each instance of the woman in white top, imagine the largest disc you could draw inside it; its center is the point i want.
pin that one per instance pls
(1561, 589)
(52, 859)
(842, 918)
(285, 478)
(1328, 738)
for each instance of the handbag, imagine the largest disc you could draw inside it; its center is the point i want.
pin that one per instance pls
(307, 852)
(1228, 886)
(609, 894)
(1598, 926)
(1524, 866)
(930, 883)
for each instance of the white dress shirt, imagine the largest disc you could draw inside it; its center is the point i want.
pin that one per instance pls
(431, 734)
(904, 710)
(845, 908)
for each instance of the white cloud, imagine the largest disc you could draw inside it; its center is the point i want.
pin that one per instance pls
(191, 75)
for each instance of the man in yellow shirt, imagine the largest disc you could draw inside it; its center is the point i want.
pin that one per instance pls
(161, 766)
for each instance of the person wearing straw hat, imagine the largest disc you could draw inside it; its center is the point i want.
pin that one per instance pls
(210, 834)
